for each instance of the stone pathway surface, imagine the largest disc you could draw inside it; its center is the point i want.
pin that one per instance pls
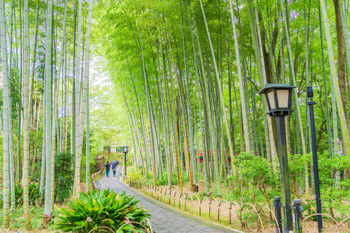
(162, 219)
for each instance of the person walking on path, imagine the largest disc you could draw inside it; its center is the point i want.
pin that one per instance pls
(107, 168)
(114, 164)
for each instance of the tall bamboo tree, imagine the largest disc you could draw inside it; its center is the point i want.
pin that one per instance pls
(77, 107)
(48, 109)
(26, 122)
(6, 119)
(85, 101)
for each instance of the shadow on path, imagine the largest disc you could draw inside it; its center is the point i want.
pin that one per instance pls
(162, 219)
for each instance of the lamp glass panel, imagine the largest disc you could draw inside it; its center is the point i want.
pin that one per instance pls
(283, 98)
(271, 99)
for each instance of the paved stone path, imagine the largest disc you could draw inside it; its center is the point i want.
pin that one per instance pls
(162, 219)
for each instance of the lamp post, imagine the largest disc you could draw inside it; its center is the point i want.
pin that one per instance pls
(310, 103)
(279, 102)
(125, 150)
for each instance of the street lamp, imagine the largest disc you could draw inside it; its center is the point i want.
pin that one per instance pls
(125, 150)
(310, 103)
(278, 98)
(279, 103)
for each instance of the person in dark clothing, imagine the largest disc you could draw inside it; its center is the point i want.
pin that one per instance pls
(107, 168)
(114, 164)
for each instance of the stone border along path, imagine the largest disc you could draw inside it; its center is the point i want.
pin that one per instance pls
(162, 219)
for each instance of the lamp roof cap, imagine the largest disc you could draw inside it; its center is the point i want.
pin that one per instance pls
(270, 86)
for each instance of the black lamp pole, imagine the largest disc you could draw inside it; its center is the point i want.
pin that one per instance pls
(125, 163)
(125, 150)
(279, 103)
(311, 104)
(283, 160)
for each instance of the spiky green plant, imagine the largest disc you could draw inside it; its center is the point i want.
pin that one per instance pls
(101, 208)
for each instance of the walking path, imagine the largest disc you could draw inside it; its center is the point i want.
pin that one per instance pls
(162, 219)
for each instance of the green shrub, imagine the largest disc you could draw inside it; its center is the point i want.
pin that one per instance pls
(255, 169)
(64, 173)
(19, 196)
(296, 165)
(33, 194)
(161, 182)
(129, 163)
(164, 179)
(173, 178)
(134, 174)
(101, 208)
(255, 181)
(149, 182)
(334, 194)
(150, 175)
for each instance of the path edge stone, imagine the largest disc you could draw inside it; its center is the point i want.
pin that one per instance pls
(187, 215)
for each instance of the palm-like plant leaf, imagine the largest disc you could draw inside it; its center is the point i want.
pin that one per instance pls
(101, 208)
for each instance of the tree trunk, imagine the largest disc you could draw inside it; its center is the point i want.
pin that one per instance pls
(26, 134)
(341, 58)
(6, 107)
(77, 106)
(48, 110)
(85, 102)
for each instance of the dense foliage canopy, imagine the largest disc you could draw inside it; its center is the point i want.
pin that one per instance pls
(177, 81)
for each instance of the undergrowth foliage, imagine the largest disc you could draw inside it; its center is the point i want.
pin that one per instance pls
(64, 173)
(33, 194)
(101, 208)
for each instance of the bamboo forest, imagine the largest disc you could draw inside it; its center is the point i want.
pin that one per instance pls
(172, 116)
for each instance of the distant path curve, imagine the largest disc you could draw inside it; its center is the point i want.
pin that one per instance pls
(163, 220)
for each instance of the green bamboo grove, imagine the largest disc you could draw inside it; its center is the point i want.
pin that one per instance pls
(45, 57)
(188, 73)
(185, 78)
